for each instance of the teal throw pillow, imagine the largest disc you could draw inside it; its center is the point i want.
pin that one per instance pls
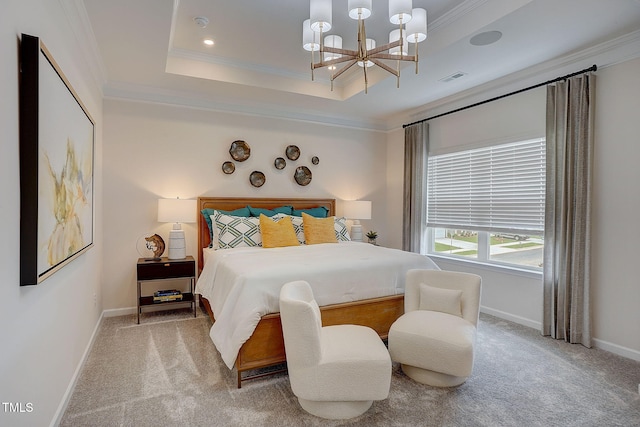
(319, 212)
(287, 210)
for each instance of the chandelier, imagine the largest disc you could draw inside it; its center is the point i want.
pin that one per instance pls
(366, 54)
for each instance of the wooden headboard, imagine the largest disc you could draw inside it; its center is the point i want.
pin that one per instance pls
(232, 203)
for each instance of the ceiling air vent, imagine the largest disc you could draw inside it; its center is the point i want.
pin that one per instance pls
(453, 76)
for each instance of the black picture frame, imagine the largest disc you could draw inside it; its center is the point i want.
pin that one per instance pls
(57, 137)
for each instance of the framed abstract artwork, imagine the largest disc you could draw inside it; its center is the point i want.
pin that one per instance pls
(56, 167)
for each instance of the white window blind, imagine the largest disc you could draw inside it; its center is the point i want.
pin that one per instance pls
(499, 188)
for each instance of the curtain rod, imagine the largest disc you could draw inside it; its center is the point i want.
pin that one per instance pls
(586, 70)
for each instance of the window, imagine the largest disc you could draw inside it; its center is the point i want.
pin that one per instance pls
(487, 204)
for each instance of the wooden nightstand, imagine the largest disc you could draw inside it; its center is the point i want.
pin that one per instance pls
(166, 269)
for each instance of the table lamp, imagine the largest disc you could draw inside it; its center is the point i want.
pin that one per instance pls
(357, 210)
(177, 211)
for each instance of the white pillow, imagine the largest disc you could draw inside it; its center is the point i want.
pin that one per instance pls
(235, 231)
(342, 232)
(439, 299)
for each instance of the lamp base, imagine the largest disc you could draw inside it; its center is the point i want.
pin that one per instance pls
(177, 245)
(356, 231)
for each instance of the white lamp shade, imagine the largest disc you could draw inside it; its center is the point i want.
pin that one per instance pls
(394, 35)
(359, 9)
(400, 11)
(371, 44)
(309, 37)
(357, 209)
(176, 210)
(320, 13)
(417, 28)
(332, 41)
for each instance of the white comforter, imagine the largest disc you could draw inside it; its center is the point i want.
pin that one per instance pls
(243, 284)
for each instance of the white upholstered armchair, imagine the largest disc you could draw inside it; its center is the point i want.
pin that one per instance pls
(434, 339)
(335, 371)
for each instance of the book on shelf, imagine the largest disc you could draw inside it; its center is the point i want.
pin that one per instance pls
(167, 292)
(167, 298)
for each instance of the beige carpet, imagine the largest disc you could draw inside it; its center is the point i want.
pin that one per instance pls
(166, 372)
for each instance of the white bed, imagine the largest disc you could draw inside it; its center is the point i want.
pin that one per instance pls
(357, 289)
(243, 284)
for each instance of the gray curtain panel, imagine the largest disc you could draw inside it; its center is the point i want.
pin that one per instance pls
(416, 147)
(567, 236)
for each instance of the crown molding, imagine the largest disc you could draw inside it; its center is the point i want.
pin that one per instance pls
(156, 95)
(606, 54)
(80, 24)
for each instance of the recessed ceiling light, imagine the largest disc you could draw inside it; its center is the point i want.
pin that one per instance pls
(483, 39)
(208, 42)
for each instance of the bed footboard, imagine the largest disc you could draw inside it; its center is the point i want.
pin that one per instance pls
(266, 346)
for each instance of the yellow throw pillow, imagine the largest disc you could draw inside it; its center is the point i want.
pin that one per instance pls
(318, 230)
(277, 234)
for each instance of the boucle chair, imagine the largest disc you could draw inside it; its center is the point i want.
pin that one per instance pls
(435, 337)
(336, 372)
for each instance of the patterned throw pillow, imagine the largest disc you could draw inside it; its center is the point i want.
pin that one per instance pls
(342, 233)
(207, 213)
(236, 231)
(297, 225)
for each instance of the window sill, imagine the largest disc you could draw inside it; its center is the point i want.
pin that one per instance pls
(499, 268)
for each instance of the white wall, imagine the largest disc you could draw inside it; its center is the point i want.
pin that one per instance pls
(615, 284)
(155, 151)
(616, 290)
(45, 328)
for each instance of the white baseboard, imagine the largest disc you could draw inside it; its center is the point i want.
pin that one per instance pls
(147, 309)
(114, 312)
(511, 317)
(629, 353)
(74, 379)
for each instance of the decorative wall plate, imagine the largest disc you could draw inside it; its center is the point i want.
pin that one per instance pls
(240, 151)
(280, 163)
(302, 175)
(293, 152)
(228, 167)
(257, 178)
(315, 160)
